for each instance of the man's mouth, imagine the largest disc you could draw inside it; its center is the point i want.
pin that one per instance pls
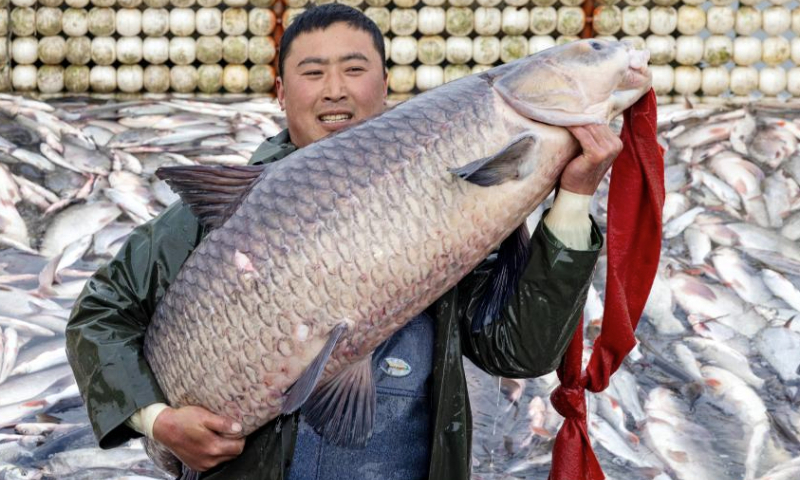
(334, 118)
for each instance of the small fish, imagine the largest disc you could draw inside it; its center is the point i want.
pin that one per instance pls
(782, 288)
(77, 222)
(772, 145)
(739, 276)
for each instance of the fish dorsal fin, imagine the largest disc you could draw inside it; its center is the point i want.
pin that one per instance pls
(512, 257)
(299, 392)
(507, 164)
(343, 409)
(212, 192)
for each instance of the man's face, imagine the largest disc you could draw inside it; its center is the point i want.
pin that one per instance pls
(332, 78)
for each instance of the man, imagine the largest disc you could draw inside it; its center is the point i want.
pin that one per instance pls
(333, 75)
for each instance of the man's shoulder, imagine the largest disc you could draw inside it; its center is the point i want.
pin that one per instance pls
(273, 149)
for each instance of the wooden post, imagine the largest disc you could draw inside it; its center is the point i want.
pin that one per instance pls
(588, 11)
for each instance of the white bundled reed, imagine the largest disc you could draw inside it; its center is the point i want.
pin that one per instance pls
(572, 3)
(155, 22)
(235, 78)
(429, 76)
(459, 21)
(513, 47)
(155, 50)
(24, 50)
(104, 50)
(155, 4)
(289, 15)
(130, 50)
(537, 43)
(775, 50)
(793, 81)
(663, 20)
(23, 78)
(746, 50)
(182, 3)
(214, 3)
(182, 50)
(261, 50)
(130, 78)
(459, 50)
(402, 78)
(50, 79)
(261, 21)
(689, 50)
(3, 22)
(127, 3)
(102, 21)
(744, 80)
(772, 81)
(570, 21)
(103, 79)
(662, 49)
(432, 50)
(23, 3)
(688, 79)
(543, 20)
(691, 19)
(23, 22)
(52, 50)
(77, 3)
(795, 50)
(635, 20)
(208, 21)
(454, 72)
(718, 50)
(380, 3)
(403, 21)
(234, 49)
(516, 21)
(404, 50)
(381, 16)
(796, 21)
(76, 79)
(775, 20)
(234, 21)
(209, 78)
(486, 50)
(181, 21)
(129, 22)
(183, 78)
(716, 81)
(209, 50)
(406, 3)
(79, 50)
(720, 20)
(607, 20)
(48, 21)
(431, 20)
(663, 79)
(104, 3)
(75, 22)
(481, 68)
(156, 78)
(748, 20)
(262, 78)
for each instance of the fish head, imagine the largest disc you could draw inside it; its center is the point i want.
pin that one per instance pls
(578, 83)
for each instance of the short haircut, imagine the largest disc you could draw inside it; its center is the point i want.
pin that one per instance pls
(323, 16)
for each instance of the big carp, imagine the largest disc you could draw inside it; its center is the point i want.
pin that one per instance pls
(315, 260)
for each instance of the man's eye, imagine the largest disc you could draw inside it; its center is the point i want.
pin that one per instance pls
(312, 73)
(356, 69)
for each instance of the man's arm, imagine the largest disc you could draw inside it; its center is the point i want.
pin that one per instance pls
(106, 330)
(536, 325)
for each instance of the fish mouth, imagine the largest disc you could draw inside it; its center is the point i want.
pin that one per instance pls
(637, 76)
(335, 120)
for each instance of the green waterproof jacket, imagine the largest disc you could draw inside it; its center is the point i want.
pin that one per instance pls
(106, 331)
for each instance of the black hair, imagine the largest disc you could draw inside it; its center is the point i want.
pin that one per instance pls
(323, 16)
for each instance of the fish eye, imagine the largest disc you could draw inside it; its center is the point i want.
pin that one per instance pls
(596, 45)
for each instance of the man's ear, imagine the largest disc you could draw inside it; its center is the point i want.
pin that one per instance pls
(279, 92)
(385, 84)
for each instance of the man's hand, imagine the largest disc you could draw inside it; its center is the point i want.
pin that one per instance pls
(600, 147)
(201, 439)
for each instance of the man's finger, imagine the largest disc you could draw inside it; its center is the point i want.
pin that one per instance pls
(229, 448)
(222, 425)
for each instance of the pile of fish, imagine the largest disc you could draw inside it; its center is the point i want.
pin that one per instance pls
(711, 391)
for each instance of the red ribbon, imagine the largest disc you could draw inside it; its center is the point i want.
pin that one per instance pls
(635, 201)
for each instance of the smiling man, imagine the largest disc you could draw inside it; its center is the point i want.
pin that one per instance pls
(333, 75)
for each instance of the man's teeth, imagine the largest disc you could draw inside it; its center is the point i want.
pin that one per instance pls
(339, 117)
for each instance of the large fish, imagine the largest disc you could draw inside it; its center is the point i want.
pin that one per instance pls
(317, 259)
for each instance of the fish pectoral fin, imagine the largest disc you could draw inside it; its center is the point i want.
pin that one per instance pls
(343, 409)
(212, 192)
(302, 389)
(501, 167)
(512, 257)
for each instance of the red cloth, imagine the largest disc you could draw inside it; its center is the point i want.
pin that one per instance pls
(635, 201)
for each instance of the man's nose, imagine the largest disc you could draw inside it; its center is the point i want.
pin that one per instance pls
(335, 88)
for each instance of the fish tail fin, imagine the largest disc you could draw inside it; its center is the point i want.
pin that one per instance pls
(163, 457)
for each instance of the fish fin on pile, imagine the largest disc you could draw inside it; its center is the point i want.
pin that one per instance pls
(343, 409)
(512, 257)
(501, 167)
(212, 192)
(299, 392)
